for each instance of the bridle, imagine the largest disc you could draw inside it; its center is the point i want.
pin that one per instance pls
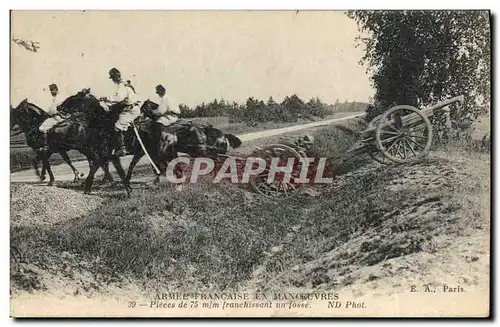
(31, 130)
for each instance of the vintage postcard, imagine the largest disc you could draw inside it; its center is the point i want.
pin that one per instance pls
(250, 163)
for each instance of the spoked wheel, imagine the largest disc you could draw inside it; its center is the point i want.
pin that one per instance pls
(279, 187)
(403, 134)
(374, 122)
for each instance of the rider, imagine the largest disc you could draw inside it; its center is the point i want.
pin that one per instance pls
(54, 115)
(167, 113)
(125, 94)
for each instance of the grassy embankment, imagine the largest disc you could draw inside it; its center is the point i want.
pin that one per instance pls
(215, 237)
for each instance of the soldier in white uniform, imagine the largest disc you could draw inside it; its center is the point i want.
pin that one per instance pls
(125, 94)
(54, 118)
(167, 113)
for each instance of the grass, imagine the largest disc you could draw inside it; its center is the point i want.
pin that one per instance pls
(212, 239)
(208, 235)
(217, 236)
(22, 158)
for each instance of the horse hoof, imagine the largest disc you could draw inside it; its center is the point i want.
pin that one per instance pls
(42, 178)
(50, 184)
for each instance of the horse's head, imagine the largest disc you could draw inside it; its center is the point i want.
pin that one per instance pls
(26, 114)
(13, 118)
(147, 108)
(78, 102)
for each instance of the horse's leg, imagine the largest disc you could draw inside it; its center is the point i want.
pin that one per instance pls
(39, 157)
(94, 166)
(66, 158)
(161, 167)
(178, 171)
(156, 181)
(133, 163)
(46, 165)
(107, 174)
(34, 163)
(121, 172)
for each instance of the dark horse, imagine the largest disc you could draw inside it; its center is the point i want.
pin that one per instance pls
(191, 138)
(29, 117)
(92, 133)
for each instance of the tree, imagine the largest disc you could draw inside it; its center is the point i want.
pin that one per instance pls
(422, 57)
(186, 112)
(294, 106)
(317, 108)
(276, 113)
(29, 45)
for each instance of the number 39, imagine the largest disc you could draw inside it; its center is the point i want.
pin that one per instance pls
(131, 304)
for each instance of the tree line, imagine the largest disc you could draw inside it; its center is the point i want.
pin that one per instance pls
(254, 110)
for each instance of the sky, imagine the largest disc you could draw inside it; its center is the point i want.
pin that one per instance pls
(198, 56)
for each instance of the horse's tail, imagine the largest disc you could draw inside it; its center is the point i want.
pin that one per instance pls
(233, 140)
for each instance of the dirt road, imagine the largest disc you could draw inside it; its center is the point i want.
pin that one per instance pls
(62, 172)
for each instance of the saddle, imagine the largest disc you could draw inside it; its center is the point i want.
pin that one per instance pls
(143, 124)
(188, 133)
(77, 117)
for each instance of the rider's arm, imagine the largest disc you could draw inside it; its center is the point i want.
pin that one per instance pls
(53, 108)
(162, 107)
(121, 94)
(165, 107)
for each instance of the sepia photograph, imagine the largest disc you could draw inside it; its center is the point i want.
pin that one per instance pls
(250, 163)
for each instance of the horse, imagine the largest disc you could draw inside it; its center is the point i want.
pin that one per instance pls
(29, 117)
(93, 134)
(191, 138)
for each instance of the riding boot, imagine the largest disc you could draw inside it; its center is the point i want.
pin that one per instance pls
(119, 146)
